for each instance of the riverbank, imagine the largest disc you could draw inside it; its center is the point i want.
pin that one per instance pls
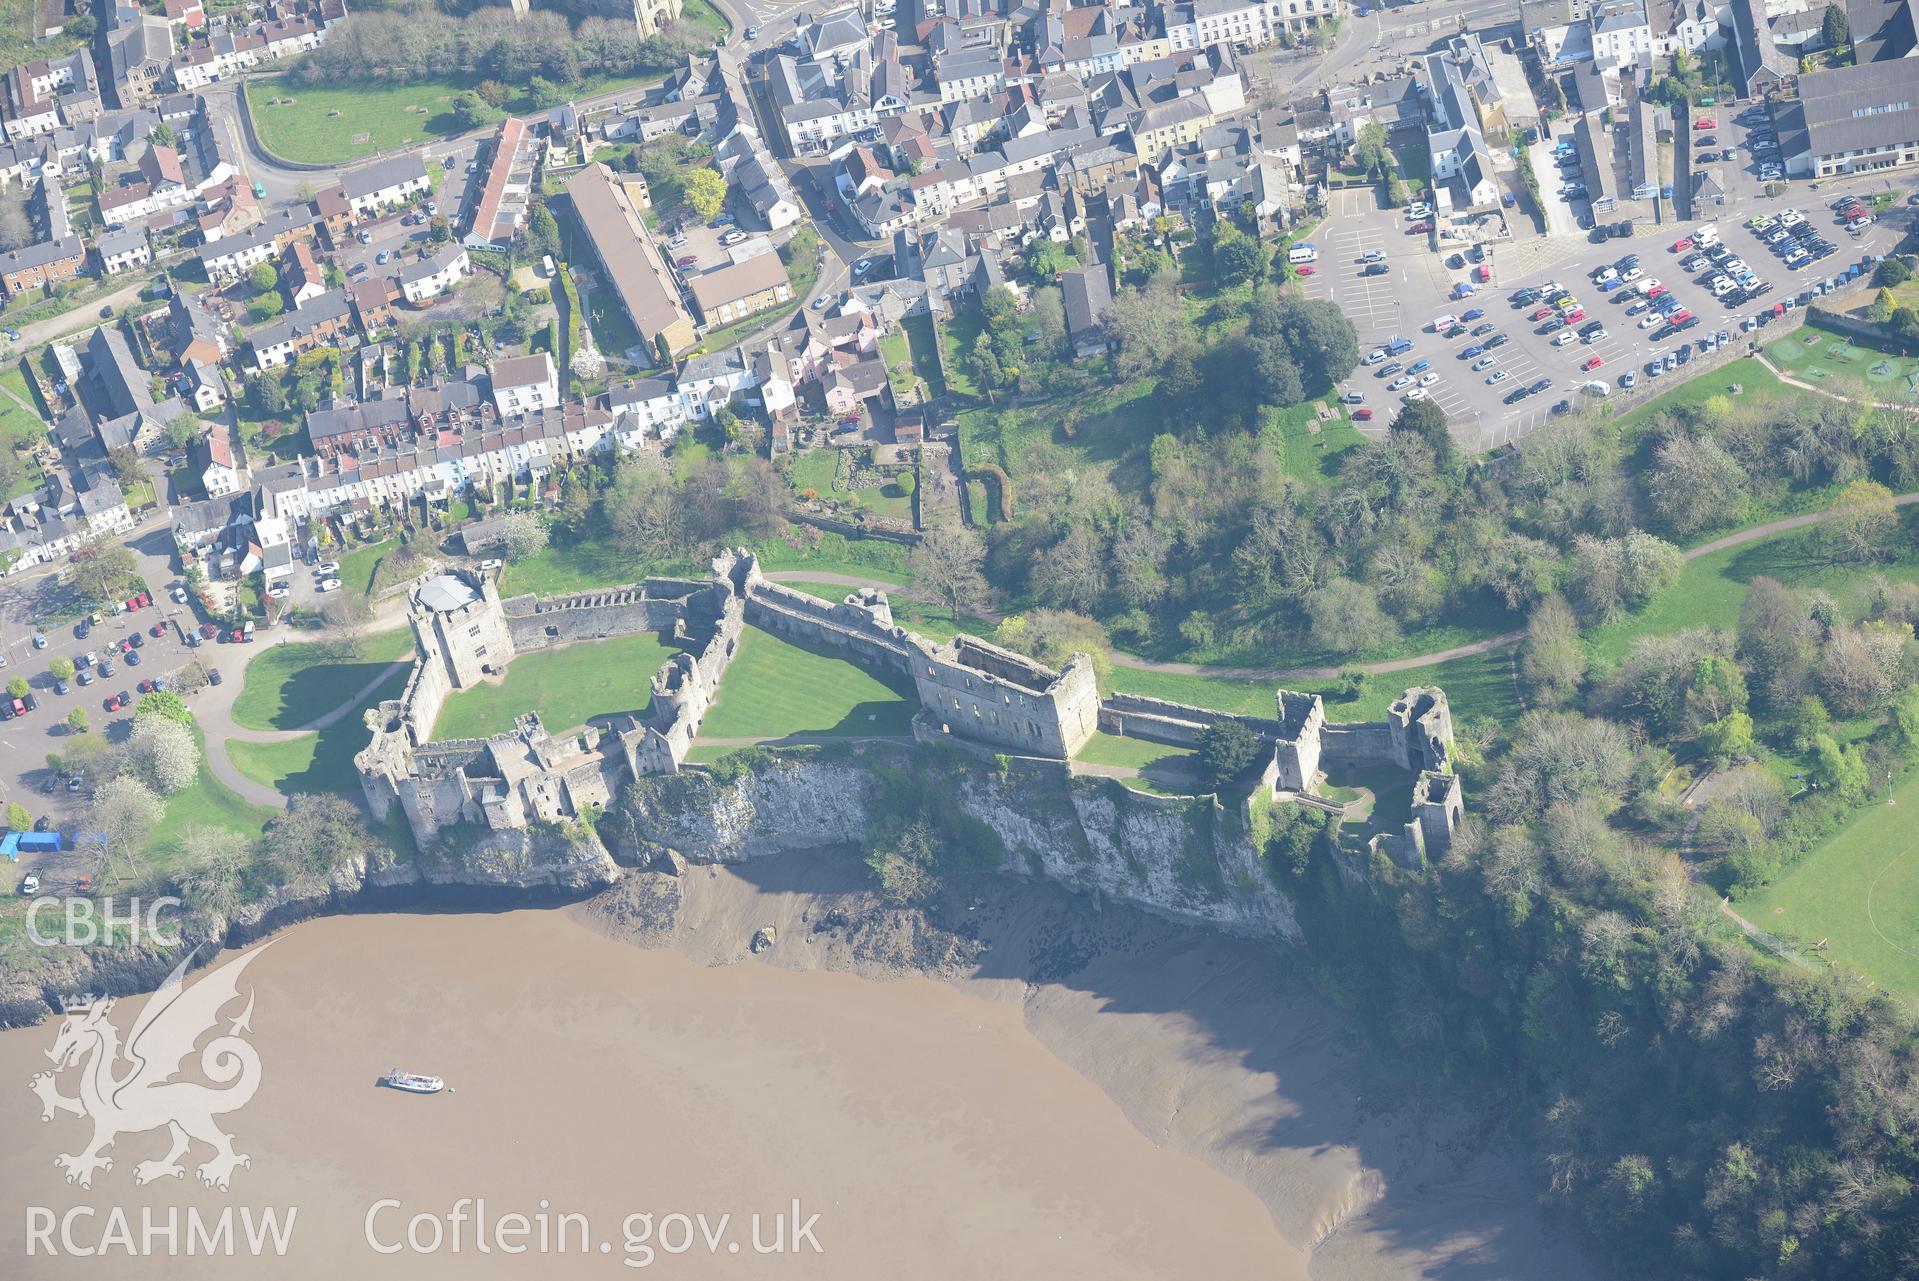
(1212, 1047)
(1030, 1081)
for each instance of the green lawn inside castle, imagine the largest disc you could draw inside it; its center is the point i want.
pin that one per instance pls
(537, 712)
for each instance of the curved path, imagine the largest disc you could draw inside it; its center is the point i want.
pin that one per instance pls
(216, 719)
(1505, 640)
(216, 713)
(1827, 392)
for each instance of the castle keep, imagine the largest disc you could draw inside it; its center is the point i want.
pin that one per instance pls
(969, 691)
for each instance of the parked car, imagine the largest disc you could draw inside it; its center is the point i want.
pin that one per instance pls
(213, 676)
(328, 567)
(329, 584)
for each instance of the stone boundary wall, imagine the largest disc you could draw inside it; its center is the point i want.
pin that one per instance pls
(1359, 743)
(861, 634)
(540, 622)
(1159, 720)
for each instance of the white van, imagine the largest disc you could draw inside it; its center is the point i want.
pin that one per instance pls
(1302, 253)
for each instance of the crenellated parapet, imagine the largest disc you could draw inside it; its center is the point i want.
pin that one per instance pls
(968, 689)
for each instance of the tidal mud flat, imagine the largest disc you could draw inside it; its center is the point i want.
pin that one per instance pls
(1011, 1081)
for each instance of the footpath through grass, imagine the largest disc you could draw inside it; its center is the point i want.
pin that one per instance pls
(773, 689)
(207, 803)
(1711, 588)
(567, 687)
(329, 124)
(317, 762)
(293, 684)
(1859, 892)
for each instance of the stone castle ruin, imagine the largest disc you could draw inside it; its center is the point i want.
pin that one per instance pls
(970, 692)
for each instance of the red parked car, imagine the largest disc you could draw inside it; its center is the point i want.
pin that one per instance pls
(1305, 271)
(1543, 313)
(1681, 246)
(1706, 122)
(1591, 363)
(157, 630)
(1362, 415)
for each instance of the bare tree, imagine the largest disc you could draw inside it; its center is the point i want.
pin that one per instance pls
(947, 565)
(215, 862)
(124, 813)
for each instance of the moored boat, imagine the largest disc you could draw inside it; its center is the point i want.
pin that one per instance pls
(412, 1082)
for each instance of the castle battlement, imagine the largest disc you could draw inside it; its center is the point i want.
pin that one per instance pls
(968, 689)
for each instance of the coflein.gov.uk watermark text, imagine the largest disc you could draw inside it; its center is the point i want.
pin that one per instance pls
(467, 1226)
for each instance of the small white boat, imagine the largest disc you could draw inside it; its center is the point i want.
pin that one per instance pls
(412, 1082)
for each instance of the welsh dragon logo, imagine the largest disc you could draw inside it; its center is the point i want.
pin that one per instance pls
(132, 1089)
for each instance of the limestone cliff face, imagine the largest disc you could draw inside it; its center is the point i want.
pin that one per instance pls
(1180, 857)
(516, 866)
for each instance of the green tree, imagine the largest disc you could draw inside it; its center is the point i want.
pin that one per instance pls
(61, 668)
(1729, 738)
(103, 577)
(1227, 750)
(542, 230)
(471, 111)
(1838, 770)
(705, 190)
(164, 704)
(1237, 257)
(1426, 420)
(17, 817)
(77, 720)
(162, 135)
(1883, 305)
(266, 306)
(1835, 30)
(263, 277)
(17, 687)
(492, 92)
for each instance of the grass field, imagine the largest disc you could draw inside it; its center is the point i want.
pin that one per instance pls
(288, 686)
(1480, 685)
(1839, 364)
(772, 689)
(358, 566)
(1162, 769)
(1860, 891)
(208, 803)
(577, 564)
(567, 687)
(924, 348)
(318, 762)
(20, 426)
(1711, 588)
(329, 124)
(930, 621)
